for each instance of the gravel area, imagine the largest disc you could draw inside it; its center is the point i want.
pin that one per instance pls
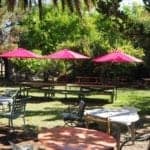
(144, 145)
(144, 131)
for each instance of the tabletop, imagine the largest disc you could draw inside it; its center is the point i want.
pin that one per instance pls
(120, 115)
(91, 86)
(35, 84)
(5, 99)
(146, 79)
(73, 138)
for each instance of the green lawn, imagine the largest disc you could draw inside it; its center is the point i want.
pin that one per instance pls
(48, 114)
(134, 97)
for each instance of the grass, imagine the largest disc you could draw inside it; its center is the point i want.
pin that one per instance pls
(134, 97)
(48, 113)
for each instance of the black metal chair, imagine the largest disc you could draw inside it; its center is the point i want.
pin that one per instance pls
(11, 93)
(17, 109)
(74, 116)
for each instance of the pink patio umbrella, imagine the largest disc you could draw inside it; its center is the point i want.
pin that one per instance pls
(66, 54)
(19, 53)
(117, 57)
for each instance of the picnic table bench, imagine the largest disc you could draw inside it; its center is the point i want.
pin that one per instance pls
(87, 80)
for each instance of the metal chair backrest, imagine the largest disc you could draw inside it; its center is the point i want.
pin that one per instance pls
(11, 92)
(18, 106)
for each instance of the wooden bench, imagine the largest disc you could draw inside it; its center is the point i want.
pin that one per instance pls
(88, 80)
(80, 94)
(109, 92)
(92, 89)
(102, 90)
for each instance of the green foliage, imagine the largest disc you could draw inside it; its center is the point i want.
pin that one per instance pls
(138, 29)
(58, 31)
(109, 7)
(92, 35)
(113, 38)
(147, 4)
(136, 15)
(134, 98)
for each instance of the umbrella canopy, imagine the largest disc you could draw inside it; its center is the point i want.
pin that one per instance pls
(66, 54)
(117, 57)
(19, 53)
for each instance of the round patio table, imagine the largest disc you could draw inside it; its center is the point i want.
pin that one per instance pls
(74, 138)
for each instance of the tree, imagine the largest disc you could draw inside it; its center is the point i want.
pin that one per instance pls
(147, 4)
(109, 7)
(0, 3)
(73, 5)
(40, 9)
(24, 4)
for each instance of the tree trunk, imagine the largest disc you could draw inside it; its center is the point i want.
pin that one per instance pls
(0, 3)
(45, 76)
(40, 9)
(7, 75)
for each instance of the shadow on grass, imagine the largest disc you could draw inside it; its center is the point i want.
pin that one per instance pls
(68, 100)
(18, 135)
(88, 101)
(55, 113)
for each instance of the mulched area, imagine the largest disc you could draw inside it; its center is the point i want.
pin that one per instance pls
(28, 136)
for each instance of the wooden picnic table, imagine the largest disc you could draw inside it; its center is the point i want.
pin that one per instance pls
(47, 87)
(146, 81)
(88, 80)
(95, 88)
(81, 90)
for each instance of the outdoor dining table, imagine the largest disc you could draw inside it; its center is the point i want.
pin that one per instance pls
(74, 138)
(5, 100)
(25, 87)
(126, 116)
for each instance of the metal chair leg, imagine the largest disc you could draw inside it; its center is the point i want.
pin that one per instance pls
(11, 123)
(24, 121)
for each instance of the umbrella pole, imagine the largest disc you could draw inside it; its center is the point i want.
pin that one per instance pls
(65, 70)
(115, 82)
(65, 79)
